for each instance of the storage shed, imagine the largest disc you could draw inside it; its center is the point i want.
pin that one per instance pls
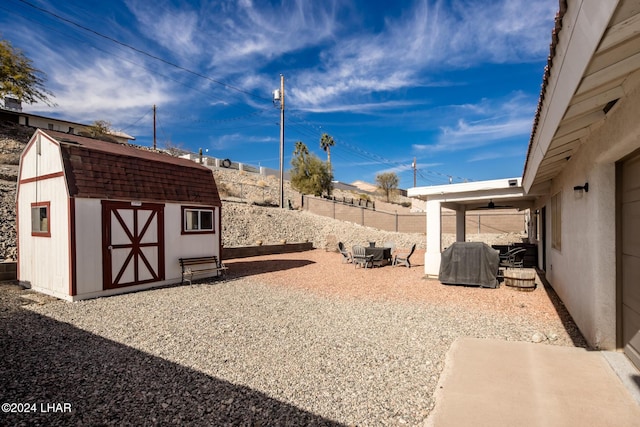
(97, 218)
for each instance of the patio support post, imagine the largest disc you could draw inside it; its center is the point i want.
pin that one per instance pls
(461, 231)
(434, 238)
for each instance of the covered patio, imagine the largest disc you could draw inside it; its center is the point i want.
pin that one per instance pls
(469, 196)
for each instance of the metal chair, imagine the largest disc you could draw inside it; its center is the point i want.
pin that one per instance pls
(360, 257)
(402, 258)
(346, 255)
(513, 258)
(392, 250)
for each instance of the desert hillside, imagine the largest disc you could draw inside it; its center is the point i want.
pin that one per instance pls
(247, 216)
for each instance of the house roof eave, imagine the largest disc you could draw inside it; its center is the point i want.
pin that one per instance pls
(591, 59)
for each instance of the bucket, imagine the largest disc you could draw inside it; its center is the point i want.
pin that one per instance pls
(520, 279)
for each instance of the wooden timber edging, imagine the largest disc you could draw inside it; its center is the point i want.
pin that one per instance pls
(8, 269)
(249, 251)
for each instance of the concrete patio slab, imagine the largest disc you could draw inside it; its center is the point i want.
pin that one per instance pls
(500, 383)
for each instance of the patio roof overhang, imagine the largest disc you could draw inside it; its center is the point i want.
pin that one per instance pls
(594, 54)
(495, 194)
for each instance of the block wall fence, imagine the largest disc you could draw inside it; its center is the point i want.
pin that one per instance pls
(477, 222)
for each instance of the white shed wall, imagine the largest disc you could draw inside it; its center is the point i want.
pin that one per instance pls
(583, 272)
(47, 162)
(88, 213)
(44, 262)
(179, 245)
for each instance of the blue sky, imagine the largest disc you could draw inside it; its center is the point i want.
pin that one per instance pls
(453, 84)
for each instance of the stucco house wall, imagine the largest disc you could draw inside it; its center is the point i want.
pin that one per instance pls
(583, 271)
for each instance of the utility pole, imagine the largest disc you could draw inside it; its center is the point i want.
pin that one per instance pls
(413, 165)
(278, 95)
(154, 127)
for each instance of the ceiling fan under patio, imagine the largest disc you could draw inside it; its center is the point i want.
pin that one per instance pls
(492, 205)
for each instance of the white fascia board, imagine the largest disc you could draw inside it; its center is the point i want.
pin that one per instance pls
(583, 26)
(466, 187)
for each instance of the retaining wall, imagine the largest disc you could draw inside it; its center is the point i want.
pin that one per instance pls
(8, 270)
(249, 251)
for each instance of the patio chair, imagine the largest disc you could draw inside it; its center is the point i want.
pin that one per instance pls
(360, 257)
(392, 246)
(513, 258)
(402, 257)
(346, 255)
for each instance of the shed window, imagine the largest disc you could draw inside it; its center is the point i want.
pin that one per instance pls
(195, 220)
(40, 219)
(556, 221)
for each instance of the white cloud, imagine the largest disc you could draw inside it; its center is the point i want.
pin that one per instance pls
(233, 140)
(229, 36)
(352, 67)
(103, 89)
(237, 39)
(359, 108)
(430, 35)
(504, 153)
(175, 29)
(482, 124)
(488, 130)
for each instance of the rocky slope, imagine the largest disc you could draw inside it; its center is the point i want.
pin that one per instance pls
(12, 140)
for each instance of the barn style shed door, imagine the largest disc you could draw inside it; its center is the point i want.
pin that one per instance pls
(132, 244)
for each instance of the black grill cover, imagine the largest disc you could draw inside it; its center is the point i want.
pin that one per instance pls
(470, 263)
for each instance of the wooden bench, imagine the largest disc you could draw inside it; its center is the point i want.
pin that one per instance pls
(209, 263)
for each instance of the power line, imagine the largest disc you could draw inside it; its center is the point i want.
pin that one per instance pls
(379, 159)
(93, 46)
(136, 122)
(142, 52)
(228, 119)
(304, 127)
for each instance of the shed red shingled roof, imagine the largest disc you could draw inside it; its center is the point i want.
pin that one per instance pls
(106, 170)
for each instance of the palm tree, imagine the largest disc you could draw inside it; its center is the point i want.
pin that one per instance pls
(300, 149)
(326, 142)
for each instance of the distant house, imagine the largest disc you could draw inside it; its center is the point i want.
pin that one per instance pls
(12, 112)
(581, 178)
(97, 218)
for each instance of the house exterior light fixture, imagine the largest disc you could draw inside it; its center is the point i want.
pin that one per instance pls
(584, 187)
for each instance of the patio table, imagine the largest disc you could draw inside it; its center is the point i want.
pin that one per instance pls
(381, 255)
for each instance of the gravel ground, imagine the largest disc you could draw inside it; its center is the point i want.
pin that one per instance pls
(295, 339)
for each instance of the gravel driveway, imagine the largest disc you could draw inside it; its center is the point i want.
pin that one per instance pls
(295, 339)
